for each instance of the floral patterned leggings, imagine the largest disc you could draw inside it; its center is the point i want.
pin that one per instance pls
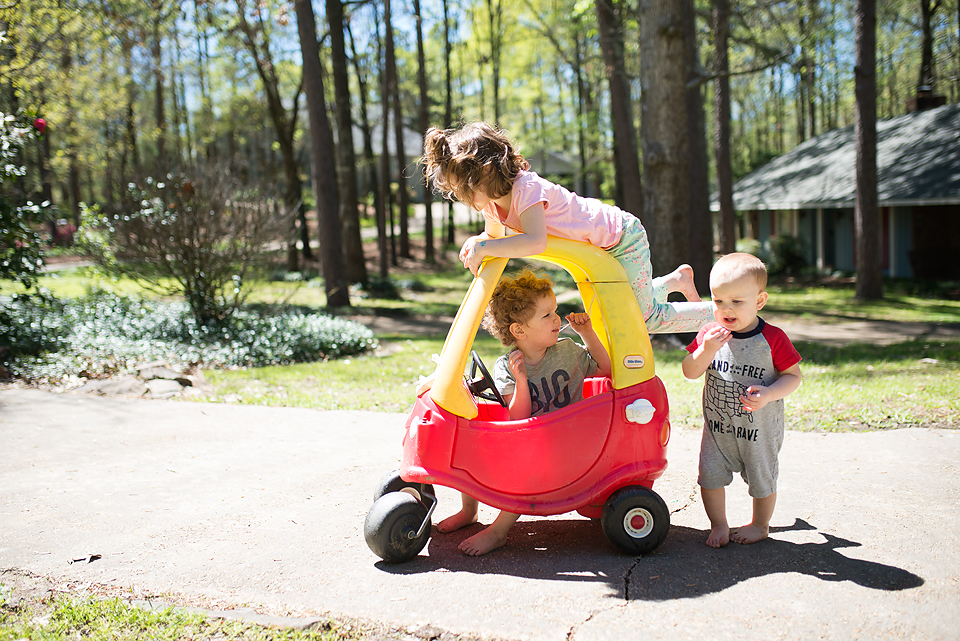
(661, 316)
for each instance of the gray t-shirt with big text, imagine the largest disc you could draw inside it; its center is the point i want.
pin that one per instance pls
(556, 382)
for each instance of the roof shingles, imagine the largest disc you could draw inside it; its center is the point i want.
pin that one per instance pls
(918, 163)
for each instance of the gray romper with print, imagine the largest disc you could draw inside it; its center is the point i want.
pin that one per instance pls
(734, 439)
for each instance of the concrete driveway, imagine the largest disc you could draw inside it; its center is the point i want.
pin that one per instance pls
(227, 506)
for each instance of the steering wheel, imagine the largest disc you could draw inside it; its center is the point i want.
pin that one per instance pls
(482, 386)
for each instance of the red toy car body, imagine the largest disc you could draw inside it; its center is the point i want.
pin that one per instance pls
(599, 456)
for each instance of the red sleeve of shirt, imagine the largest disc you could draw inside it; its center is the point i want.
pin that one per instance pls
(784, 354)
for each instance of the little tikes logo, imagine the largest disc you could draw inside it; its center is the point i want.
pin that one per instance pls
(633, 361)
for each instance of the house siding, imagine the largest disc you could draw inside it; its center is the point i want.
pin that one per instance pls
(901, 242)
(843, 240)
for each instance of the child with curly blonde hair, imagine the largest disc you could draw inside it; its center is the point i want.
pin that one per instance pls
(479, 166)
(542, 373)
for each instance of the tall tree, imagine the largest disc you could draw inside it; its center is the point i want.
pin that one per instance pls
(928, 8)
(866, 211)
(447, 106)
(663, 132)
(349, 213)
(701, 225)
(323, 166)
(424, 117)
(626, 156)
(721, 129)
(393, 87)
(495, 17)
(369, 160)
(385, 195)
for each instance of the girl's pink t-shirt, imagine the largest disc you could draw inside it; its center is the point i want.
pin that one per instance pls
(566, 214)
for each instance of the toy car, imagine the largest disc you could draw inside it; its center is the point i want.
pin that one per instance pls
(599, 456)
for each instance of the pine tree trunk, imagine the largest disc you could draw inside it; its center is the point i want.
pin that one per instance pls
(424, 117)
(349, 214)
(621, 113)
(323, 167)
(721, 136)
(448, 106)
(385, 196)
(403, 197)
(866, 211)
(700, 220)
(663, 132)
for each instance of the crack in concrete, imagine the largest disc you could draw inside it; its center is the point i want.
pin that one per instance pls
(627, 577)
(623, 602)
(691, 500)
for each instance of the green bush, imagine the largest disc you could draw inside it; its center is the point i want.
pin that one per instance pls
(785, 256)
(103, 334)
(782, 254)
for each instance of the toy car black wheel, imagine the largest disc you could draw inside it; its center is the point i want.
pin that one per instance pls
(482, 386)
(635, 519)
(392, 524)
(393, 483)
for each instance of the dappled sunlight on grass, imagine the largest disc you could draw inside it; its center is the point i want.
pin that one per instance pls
(826, 304)
(385, 380)
(78, 281)
(854, 387)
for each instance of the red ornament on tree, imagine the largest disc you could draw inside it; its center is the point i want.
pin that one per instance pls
(40, 125)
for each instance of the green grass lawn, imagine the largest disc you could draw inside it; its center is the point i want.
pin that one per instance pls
(838, 304)
(854, 387)
(849, 388)
(382, 381)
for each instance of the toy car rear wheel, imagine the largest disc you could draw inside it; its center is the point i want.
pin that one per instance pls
(393, 483)
(392, 524)
(635, 519)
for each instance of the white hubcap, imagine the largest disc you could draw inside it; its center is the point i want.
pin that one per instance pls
(638, 522)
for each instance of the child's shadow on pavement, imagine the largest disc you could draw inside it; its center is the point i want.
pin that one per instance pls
(685, 567)
(682, 567)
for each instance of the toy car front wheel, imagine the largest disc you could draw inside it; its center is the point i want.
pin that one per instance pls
(392, 524)
(635, 519)
(393, 483)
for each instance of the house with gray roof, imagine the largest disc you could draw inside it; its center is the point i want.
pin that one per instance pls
(810, 192)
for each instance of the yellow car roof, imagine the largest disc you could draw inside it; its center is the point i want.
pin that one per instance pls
(603, 285)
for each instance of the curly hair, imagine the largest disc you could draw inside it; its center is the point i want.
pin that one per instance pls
(461, 162)
(513, 301)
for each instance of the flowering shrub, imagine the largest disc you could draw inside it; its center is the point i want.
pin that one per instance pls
(21, 256)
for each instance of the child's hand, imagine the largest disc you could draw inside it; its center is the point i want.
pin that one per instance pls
(472, 254)
(517, 366)
(715, 338)
(580, 322)
(755, 398)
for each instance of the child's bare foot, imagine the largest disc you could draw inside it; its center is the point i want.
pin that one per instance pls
(685, 284)
(457, 521)
(719, 536)
(483, 542)
(749, 534)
